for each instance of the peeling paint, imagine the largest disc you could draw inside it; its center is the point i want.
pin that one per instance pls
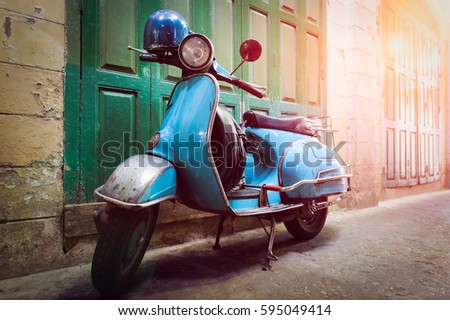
(31, 21)
(38, 10)
(7, 27)
(10, 179)
(28, 196)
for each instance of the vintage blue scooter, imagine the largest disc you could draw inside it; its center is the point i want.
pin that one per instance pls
(269, 168)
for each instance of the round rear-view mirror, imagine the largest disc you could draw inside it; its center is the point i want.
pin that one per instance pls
(250, 50)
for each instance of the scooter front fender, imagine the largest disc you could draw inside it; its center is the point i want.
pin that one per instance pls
(139, 182)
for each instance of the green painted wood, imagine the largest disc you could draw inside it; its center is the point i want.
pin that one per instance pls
(118, 118)
(117, 25)
(226, 39)
(115, 88)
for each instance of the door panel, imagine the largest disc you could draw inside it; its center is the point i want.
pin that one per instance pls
(117, 25)
(288, 39)
(115, 108)
(259, 30)
(117, 120)
(312, 70)
(225, 36)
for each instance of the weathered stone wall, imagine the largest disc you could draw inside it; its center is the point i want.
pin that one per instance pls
(446, 90)
(352, 93)
(32, 52)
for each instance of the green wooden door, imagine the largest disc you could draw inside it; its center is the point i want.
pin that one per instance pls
(115, 89)
(121, 101)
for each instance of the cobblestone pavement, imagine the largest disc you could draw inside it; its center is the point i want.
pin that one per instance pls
(398, 250)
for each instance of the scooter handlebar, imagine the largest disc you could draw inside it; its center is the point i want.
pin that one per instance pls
(216, 69)
(254, 89)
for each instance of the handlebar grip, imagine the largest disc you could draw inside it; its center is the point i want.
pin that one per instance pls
(252, 88)
(148, 57)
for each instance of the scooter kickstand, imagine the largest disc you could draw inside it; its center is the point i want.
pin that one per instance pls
(216, 245)
(270, 256)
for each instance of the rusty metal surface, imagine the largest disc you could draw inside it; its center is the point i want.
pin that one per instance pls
(132, 178)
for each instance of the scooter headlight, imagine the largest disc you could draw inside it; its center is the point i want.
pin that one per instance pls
(196, 52)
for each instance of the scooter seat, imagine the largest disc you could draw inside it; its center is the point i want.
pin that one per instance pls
(300, 124)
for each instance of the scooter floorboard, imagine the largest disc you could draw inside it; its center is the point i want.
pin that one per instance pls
(267, 210)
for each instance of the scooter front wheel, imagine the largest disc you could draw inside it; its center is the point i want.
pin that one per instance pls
(123, 241)
(308, 223)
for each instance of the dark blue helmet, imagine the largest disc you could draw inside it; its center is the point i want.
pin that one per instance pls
(164, 30)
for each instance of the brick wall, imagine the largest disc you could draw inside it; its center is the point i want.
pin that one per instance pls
(32, 53)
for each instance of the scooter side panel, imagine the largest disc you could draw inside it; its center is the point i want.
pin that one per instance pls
(184, 137)
(291, 157)
(263, 164)
(309, 160)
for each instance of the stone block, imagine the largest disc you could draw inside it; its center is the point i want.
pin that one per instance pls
(361, 62)
(362, 14)
(362, 40)
(31, 91)
(336, 59)
(52, 10)
(365, 177)
(336, 83)
(363, 198)
(33, 246)
(361, 85)
(337, 107)
(366, 157)
(31, 41)
(365, 108)
(33, 192)
(336, 12)
(29, 246)
(27, 140)
(336, 35)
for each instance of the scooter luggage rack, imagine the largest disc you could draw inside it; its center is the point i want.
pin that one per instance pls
(326, 127)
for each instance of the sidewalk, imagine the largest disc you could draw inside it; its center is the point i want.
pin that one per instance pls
(398, 250)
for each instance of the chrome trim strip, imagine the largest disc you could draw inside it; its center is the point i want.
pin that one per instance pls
(318, 179)
(266, 210)
(130, 206)
(209, 134)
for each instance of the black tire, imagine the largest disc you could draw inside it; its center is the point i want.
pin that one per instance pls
(123, 241)
(308, 224)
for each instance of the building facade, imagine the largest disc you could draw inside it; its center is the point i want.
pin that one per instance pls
(69, 88)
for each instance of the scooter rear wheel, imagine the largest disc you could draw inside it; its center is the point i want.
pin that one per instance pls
(123, 241)
(307, 224)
